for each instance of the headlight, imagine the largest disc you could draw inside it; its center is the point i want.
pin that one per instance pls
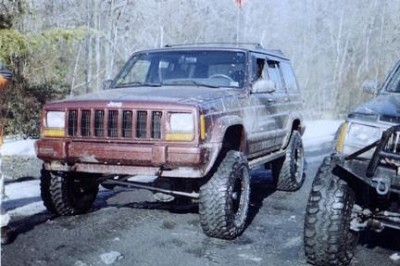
(54, 124)
(352, 136)
(180, 127)
(362, 134)
(55, 119)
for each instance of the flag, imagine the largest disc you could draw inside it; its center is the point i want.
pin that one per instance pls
(239, 3)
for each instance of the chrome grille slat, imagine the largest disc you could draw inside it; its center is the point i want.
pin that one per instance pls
(393, 144)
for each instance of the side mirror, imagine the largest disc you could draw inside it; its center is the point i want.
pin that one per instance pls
(370, 86)
(264, 86)
(106, 84)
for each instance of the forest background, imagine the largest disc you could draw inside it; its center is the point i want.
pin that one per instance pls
(61, 48)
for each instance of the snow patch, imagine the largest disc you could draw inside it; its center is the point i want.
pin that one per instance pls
(21, 190)
(80, 263)
(28, 210)
(111, 257)
(19, 148)
(250, 257)
(294, 242)
(395, 257)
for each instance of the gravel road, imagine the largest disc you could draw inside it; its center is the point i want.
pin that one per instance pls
(127, 228)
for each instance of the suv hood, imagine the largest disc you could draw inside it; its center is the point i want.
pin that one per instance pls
(384, 104)
(180, 94)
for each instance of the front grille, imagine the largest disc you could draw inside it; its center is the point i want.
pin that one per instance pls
(125, 124)
(393, 143)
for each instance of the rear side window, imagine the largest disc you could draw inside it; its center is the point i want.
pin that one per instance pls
(276, 75)
(291, 82)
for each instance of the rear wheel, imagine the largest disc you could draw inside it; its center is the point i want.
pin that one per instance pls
(288, 172)
(328, 239)
(224, 199)
(68, 194)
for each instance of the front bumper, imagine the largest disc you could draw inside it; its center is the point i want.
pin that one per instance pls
(126, 158)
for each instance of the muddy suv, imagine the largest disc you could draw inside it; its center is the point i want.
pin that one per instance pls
(181, 121)
(358, 187)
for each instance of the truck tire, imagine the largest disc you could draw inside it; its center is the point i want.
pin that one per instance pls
(67, 194)
(328, 239)
(224, 199)
(288, 172)
(45, 182)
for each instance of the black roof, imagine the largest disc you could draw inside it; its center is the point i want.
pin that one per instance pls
(253, 47)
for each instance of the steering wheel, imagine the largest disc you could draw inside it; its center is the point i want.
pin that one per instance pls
(221, 76)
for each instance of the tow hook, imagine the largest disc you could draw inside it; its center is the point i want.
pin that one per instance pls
(382, 185)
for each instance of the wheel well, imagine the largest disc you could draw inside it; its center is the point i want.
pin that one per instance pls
(233, 138)
(296, 125)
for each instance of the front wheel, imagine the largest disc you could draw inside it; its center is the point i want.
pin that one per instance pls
(328, 239)
(224, 199)
(68, 194)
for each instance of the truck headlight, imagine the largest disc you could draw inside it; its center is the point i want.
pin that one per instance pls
(54, 124)
(362, 134)
(356, 135)
(180, 127)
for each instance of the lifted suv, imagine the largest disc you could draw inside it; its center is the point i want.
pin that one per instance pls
(358, 187)
(181, 121)
(349, 194)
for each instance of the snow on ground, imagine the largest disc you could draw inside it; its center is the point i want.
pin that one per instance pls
(18, 147)
(23, 198)
(319, 132)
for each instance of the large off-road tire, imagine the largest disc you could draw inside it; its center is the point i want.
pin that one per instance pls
(288, 171)
(67, 194)
(45, 183)
(224, 199)
(328, 239)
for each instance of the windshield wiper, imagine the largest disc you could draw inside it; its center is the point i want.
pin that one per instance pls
(138, 84)
(190, 82)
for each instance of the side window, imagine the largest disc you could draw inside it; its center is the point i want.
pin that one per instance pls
(275, 74)
(291, 83)
(258, 69)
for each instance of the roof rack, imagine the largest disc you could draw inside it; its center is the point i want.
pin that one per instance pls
(235, 44)
(248, 45)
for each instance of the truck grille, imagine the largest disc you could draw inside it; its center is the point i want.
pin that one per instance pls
(393, 143)
(126, 124)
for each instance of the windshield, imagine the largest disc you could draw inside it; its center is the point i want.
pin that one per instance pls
(193, 68)
(393, 84)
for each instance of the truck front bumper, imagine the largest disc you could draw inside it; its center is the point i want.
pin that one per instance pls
(126, 158)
